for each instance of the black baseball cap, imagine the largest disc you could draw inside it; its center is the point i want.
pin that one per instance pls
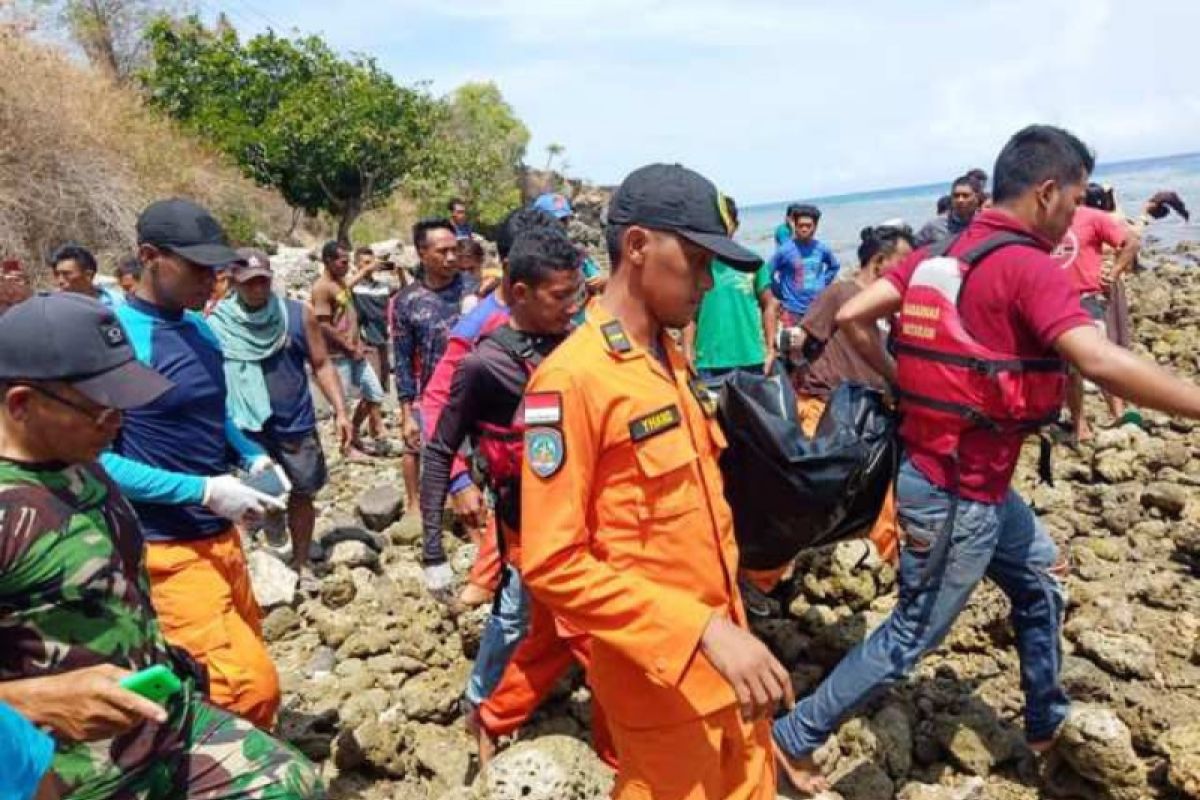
(77, 340)
(251, 263)
(669, 197)
(186, 229)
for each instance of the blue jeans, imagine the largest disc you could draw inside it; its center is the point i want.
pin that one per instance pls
(358, 377)
(1004, 542)
(504, 630)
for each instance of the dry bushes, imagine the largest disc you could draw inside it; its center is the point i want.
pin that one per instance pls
(80, 157)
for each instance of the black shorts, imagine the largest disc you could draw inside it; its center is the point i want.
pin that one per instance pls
(301, 457)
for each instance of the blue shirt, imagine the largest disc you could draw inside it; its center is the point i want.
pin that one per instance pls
(25, 755)
(800, 272)
(286, 375)
(166, 449)
(421, 322)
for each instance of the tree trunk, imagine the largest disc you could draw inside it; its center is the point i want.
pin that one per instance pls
(291, 231)
(351, 211)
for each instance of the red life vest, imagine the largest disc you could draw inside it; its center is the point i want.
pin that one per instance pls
(500, 450)
(949, 382)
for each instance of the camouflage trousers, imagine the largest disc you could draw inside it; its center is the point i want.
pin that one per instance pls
(209, 755)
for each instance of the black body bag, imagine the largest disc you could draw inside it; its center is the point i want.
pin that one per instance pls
(789, 492)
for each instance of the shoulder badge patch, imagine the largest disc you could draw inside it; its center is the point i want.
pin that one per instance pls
(614, 336)
(654, 423)
(544, 451)
(542, 408)
(704, 396)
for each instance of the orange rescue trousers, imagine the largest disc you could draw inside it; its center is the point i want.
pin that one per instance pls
(485, 570)
(537, 665)
(717, 756)
(201, 591)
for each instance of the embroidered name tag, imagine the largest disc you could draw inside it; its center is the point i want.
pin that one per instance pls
(654, 423)
(543, 408)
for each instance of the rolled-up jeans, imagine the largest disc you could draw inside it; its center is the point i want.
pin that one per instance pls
(503, 632)
(1001, 541)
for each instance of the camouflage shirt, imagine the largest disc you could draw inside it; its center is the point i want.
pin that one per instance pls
(74, 592)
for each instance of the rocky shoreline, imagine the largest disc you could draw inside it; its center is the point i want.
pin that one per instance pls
(372, 668)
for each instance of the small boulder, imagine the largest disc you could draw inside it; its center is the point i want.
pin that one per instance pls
(1182, 746)
(548, 768)
(1126, 655)
(444, 754)
(433, 695)
(380, 506)
(862, 779)
(408, 531)
(971, 789)
(338, 590)
(1098, 747)
(274, 582)
(1168, 498)
(974, 741)
(353, 553)
(280, 622)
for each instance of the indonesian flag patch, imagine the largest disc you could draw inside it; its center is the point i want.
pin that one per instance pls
(543, 408)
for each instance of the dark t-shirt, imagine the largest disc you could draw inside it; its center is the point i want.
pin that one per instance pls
(837, 361)
(371, 300)
(487, 388)
(1018, 301)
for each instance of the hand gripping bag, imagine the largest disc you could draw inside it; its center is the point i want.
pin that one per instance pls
(788, 492)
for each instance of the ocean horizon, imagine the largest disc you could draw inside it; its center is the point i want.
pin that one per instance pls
(844, 215)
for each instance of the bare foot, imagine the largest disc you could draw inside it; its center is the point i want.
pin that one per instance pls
(802, 773)
(1083, 431)
(487, 748)
(473, 595)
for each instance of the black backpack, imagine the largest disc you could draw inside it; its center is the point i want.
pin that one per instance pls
(788, 492)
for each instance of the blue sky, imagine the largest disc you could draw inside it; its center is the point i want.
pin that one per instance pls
(776, 99)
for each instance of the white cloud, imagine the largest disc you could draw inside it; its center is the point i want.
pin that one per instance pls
(777, 99)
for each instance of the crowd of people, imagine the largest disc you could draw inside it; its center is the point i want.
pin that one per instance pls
(570, 420)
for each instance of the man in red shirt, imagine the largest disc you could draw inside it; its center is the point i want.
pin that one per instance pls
(1081, 252)
(960, 519)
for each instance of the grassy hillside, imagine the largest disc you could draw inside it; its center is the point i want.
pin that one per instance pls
(80, 157)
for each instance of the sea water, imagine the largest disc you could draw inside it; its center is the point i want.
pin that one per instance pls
(843, 216)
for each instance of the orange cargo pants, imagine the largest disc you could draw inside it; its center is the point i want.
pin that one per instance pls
(201, 591)
(885, 533)
(717, 756)
(485, 571)
(539, 662)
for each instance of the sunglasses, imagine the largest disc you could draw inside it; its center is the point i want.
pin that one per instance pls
(99, 415)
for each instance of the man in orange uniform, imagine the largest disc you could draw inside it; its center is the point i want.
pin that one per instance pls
(629, 538)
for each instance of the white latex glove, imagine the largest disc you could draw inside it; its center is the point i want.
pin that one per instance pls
(228, 497)
(439, 580)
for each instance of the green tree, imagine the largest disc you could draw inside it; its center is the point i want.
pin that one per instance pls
(110, 32)
(553, 151)
(330, 134)
(480, 146)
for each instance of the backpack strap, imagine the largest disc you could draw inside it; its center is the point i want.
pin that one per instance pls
(516, 345)
(986, 248)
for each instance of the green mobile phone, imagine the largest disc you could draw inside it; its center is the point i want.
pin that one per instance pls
(155, 683)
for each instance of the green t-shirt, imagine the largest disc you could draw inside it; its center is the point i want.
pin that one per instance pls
(729, 330)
